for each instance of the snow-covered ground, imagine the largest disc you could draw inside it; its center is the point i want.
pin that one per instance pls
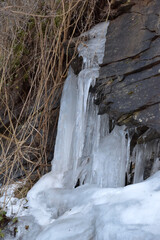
(89, 212)
(9, 202)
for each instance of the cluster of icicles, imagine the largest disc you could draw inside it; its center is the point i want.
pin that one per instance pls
(86, 151)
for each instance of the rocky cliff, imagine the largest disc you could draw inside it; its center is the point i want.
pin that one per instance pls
(128, 88)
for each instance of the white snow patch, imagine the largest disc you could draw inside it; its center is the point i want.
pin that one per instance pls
(88, 212)
(12, 205)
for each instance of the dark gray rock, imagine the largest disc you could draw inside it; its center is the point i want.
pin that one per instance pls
(128, 88)
(71, 52)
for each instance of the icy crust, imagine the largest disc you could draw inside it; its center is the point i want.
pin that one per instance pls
(88, 212)
(92, 50)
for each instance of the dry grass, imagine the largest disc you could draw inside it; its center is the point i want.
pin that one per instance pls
(33, 67)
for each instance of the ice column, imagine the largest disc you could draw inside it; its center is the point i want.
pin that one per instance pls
(85, 152)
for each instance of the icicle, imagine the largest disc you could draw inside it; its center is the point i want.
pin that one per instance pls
(79, 125)
(66, 125)
(109, 161)
(139, 163)
(145, 156)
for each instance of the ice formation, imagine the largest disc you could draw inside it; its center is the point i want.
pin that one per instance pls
(141, 154)
(95, 161)
(83, 150)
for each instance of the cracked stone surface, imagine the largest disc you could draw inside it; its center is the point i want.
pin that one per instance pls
(128, 88)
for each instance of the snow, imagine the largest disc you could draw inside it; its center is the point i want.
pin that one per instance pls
(89, 212)
(101, 208)
(10, 203)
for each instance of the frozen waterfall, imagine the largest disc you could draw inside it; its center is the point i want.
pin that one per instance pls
(84, 148)
(95, 161)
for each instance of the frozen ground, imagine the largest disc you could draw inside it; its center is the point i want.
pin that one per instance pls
(88, 212)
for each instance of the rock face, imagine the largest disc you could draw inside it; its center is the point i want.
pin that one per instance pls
(128, 88)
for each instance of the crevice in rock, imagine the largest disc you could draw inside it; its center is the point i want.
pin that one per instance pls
(123, 59)
(126, 116)
(145, 59)
(138, 13)
(77, 183)
(142, 68)
(146, 28)
(117, 3)
(137, 81)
